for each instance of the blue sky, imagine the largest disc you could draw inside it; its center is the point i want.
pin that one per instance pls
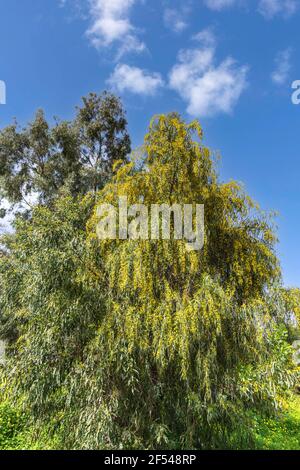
(229, 63)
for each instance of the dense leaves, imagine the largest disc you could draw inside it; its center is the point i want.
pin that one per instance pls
(41, 162)
(142, 343)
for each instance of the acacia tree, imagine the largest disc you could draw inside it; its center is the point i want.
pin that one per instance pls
(41, 162)
(142, 344)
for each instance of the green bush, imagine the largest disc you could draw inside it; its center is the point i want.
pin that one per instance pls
(18, 433)
(281, 432)
(12, 427)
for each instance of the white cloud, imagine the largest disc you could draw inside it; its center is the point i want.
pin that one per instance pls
(283, 66)
(268, 8)
(207, 88)
(206, 37)
(271, 8)
(219, 4)
(110, 23)
(175, 19)
(135, 80)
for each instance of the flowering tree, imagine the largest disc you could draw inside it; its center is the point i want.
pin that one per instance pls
(142, 343)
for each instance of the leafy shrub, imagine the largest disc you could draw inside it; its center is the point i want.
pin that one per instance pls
(12, 426)
(281, 432)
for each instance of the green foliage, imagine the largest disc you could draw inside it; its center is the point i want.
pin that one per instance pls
(12, 424)
(16, 432)
(293, 302)
(281, 432)
(143, 344)
(71, 157)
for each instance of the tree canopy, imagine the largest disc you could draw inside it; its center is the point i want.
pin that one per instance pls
(41, 162)
(141, 343)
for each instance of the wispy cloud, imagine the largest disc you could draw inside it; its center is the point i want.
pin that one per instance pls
(175, 19)
(135, 80)
(207, 88)
(268, 8)
(219, 4)
(271, 8)
(283, 66)
(110, 24)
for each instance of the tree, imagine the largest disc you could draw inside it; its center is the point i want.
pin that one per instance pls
(41, 162)
(143, 344)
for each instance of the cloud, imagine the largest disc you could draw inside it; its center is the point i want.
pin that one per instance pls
(135, 80)
(175, 19)
(110, 24)
(219, 5)
(271, 8)
(206, 37)
(268, 8)
(283, 66)
(207, 88)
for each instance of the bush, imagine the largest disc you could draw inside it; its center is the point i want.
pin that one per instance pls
(12, 427)
(281, 432)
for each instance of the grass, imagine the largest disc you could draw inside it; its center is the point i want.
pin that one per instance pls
(15, 433)
(281, 433)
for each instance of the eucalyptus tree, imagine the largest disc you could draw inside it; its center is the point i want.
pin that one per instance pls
(40, 162)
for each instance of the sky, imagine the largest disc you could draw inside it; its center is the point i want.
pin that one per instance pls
(228, 63)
